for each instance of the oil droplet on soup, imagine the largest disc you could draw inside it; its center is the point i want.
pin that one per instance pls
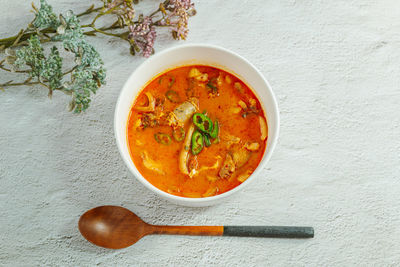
(196, 131)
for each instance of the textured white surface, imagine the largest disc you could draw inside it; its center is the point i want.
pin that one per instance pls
(334, 66)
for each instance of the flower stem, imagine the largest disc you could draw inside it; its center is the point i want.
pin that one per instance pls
(9, 41)
(89, 11)
(18, 84)
(119, 35)
(155, 12)
(28, 81)
(9, 70)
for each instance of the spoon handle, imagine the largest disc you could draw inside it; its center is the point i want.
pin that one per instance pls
(246, 231)
(187, 230)
(269, 231)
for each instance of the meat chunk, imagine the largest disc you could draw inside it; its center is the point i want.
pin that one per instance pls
(253, 103)
(240, 156)
(228, 79)
(236, 157)
(263, 128)
(197, 75)
(151, 164)
(228, 167)
(194, 72)
(211, 192)
(194, 171)
(182, 113)
(252, 146)
(230, 139)
(243, 176)
(238, 87)
(242, 104)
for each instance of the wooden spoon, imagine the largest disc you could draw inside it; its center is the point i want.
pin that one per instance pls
(116, 227)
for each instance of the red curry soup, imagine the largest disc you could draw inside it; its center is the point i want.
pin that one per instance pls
(196, 131)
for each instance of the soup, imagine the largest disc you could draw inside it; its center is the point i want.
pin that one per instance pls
(196, 131)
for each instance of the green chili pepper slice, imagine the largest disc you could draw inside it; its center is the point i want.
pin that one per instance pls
(203, 122)
(207, 141)
(215, 130)
(162, 138)
(178, 134)
(173, 96)
(171, 82)
(197, 142)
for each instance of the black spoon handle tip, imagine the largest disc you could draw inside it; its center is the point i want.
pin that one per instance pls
(269, 231)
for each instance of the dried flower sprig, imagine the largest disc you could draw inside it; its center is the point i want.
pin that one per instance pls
(84, 78)
(130, 25)
(88, 74)
(141, 31)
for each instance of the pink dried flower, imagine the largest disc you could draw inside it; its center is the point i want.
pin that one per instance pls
(178, 18)
(144, 35)
(122, 8)
(114, 3)
(186, 4)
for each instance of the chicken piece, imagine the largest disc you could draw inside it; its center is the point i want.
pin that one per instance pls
(263, 128)
(194, 72)
(193, 163)
(211, 192)
(194, 172)
(192, 166)
(139, 143)
(228, 167)
(228, 79)
(242, 104)
(252, 146)
(151, 164)
(235, 110)
(182, 113)
(197, 75)
(202, 78)
(243, 176)
(253, 103)
(240, 156)
(138, 123)
(173, 189)
(236, 157)
(230, 139)
(219, 79)
(238, 86)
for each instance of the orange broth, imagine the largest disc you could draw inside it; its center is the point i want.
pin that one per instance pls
(222, 106)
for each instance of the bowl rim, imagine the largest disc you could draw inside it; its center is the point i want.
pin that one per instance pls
(203, 200)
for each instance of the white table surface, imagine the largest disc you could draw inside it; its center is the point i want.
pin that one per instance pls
(334, 67)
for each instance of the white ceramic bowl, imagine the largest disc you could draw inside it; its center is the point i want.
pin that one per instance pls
(188, 55)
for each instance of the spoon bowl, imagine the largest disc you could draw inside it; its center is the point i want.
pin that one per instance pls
(112, 227)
